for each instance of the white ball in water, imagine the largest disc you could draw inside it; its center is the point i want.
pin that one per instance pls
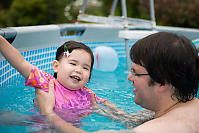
(106, 59)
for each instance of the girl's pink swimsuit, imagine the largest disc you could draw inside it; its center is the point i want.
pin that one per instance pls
(64, 98)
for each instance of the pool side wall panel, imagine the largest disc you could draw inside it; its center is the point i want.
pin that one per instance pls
(38, 44)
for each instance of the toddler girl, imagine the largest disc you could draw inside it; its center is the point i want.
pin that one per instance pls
(72, 67)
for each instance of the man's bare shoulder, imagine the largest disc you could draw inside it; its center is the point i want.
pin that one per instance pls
(183, 119)
(151, 126)
(160, 125)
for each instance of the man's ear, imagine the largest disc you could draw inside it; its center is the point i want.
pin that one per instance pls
(55, 65)
(165, 87)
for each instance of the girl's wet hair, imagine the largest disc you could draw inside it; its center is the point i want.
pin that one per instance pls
(71, 45)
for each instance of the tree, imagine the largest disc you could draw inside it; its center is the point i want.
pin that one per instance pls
(180, 13)
(33, 12)
(5, 4)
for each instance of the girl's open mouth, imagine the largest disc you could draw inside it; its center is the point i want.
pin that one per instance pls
(75, 77)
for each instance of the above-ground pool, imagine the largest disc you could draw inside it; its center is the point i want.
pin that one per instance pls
(38, 45)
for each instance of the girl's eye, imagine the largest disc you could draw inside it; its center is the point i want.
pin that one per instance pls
(72, 64)
(86, 68)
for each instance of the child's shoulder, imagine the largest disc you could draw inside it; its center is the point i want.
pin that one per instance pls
(87, 89)
(38, 70)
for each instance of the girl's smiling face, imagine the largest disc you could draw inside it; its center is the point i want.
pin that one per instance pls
(73, 71)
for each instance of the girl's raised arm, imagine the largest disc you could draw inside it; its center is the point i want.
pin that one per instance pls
(15, 58)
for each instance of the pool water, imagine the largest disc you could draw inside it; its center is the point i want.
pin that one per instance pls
(113, 86)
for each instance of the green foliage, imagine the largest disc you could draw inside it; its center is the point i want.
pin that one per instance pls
(134, 9)
(180, 13)
(3, 18)
(5, 4)
(33, 12)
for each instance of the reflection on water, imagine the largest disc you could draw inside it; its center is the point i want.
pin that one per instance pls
(36, 122)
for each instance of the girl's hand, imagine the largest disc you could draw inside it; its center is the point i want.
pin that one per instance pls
(46, 100)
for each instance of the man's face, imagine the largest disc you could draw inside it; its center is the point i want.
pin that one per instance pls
(145, 94)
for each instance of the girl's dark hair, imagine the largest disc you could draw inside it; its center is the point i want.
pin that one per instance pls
(71, 45)
(171, 59)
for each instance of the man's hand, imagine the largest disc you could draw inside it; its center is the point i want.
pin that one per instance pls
(45, 101)
(93, 101)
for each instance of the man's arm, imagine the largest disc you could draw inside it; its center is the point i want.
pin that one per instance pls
(111, 111)
(61, 125)
(46, 103)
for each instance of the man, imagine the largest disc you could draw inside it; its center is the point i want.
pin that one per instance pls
(165, 74)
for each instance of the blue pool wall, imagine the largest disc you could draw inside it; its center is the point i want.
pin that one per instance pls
(38, 44)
